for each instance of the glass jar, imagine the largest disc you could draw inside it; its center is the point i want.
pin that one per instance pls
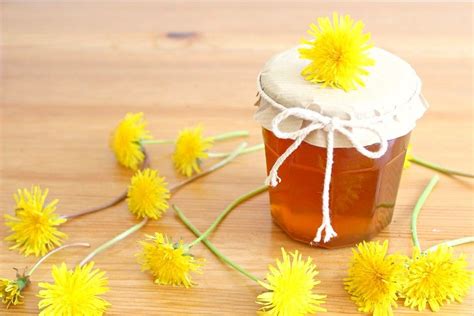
(305, 123)
(362, 196)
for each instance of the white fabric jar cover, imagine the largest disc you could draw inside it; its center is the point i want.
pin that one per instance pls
(392, 90)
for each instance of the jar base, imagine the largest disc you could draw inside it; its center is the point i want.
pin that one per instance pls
(335, 243)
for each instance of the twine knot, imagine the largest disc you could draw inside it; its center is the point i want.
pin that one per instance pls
(330, 125)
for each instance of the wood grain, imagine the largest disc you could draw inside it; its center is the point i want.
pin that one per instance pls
(71, 69)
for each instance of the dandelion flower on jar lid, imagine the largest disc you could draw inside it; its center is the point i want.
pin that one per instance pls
(169, 263)
(338, 53)
(191, 148)
(148, 194)
(436, 278)
(10, 290)
(74, 292)
(34, 227)
(290, 287)
(375, 278)
(126, 138)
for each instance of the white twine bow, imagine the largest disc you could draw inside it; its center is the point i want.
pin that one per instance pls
(330, 125)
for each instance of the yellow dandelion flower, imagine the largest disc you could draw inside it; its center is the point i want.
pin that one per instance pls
(375, 278)
(169, 263)
(74, 292)
(408, 157)
(338, 53)
(34, 226)
(148, 194)
(125, 141)
(191, 148)
(290, 287)
(436, 278)
(10, 290)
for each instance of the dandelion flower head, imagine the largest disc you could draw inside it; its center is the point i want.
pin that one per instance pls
(148, 194)
(375, 278)
(191, 148)
(408, 157)
(436, 278)
(338, 53)
(34, 227)
(290, 287)
(10, 290)
(126, 138)
(169, 262)
(74, 292)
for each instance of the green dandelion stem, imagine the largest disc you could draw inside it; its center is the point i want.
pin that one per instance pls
(157, 141)
(116, 200)
(452, 243)
(229, 135)
(173, 190)
(416, 210)
(212, 168)
(438, 168)
(113, 241)
(227, 210)
(229, 157)
(52, 252)
(213, 248)
(247, 150)
(216, 138)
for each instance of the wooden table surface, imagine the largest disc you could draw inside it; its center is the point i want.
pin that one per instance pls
(72, 69)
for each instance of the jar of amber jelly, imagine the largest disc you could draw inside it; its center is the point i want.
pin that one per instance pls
(335, 158)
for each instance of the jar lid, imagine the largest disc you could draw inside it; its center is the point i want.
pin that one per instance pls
(391, 93)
